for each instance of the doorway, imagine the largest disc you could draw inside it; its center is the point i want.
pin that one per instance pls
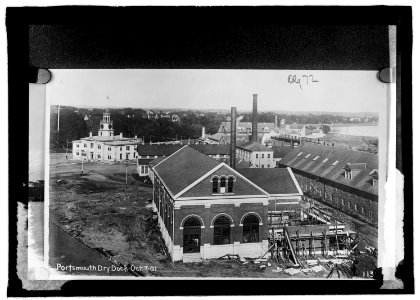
(192, 235)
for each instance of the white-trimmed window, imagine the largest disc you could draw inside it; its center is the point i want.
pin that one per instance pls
(347, 174)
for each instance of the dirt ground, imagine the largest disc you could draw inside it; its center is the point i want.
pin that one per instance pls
(98, 209)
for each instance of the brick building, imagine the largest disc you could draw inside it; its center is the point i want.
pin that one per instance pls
(206, 209)
(344, 180)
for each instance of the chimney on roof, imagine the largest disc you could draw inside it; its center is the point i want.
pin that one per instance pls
(135, 136)
(254, 137)
(203, 132)
(90, 134)
(120, 135)
(233, 138)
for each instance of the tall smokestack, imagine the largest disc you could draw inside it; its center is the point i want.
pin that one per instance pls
(254, 119)
(276, 121)
(233, 138)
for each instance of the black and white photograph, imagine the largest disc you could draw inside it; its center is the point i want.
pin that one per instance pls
(214, 173)
(213, 157)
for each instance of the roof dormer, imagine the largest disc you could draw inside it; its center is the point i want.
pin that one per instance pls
(353, 169)
(374, 177)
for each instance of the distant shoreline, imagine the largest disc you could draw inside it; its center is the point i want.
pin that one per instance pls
(353, 124)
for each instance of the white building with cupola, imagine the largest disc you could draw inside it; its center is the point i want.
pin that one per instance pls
(106, 146)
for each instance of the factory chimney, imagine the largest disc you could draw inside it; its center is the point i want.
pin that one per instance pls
(276, 121)
(203, 132)
(254, 119)
(233, 138)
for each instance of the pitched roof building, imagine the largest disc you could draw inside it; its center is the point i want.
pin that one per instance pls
(207, 209)
(146, 153)
(255, 154)
(340, 178)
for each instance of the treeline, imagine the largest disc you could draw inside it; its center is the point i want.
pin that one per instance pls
(310, 118)
(76, 123)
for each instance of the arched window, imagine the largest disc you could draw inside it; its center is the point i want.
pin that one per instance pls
(251, 229)
(215, 185)
(223, 185)
(230, 185)
(192, 222)
(222, 231)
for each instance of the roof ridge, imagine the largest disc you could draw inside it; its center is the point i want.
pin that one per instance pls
(170, 156)
(186, 189)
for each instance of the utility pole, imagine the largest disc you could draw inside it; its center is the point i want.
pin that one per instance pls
(67, 147)
(126, 173)
(58, 119)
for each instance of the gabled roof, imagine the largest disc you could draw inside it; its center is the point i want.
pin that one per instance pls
(242, 185)
(157, 150)
(166, 150)
(222, 137)
(331, 162)
(212, 149)
(183, 168)
(253, 146)
(274, 181)
(281, 151)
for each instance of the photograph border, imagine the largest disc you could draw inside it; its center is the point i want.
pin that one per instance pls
(40, 57)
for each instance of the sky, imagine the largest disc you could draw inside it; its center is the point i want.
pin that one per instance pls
(278, 90)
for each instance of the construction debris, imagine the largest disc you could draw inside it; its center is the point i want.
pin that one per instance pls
(317, 269)
(230, 257)
(292, 271)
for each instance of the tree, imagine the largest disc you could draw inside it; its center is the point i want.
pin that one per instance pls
(326, 129)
